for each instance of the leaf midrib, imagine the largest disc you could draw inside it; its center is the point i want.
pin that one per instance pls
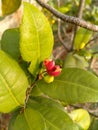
(45, 119)
(76, 84)
(27, 120)
(51, 124)
(39, 55)
(9, 90)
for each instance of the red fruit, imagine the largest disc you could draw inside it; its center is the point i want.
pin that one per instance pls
(51, 68)
(55, 71)
(49, 64)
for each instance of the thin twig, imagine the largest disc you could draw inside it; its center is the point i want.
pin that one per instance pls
(92, 40)
(80, 12)
(28, 92)
(79, 15)
(81, 7)
(60, 37)
(69, 19)
(59, 31)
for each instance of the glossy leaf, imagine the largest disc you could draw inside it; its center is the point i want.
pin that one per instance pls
(36, 37)
(55, 116)
(82, 37)
(10, 43)
(74, 60)
(13, 84)
(10, 6)
(48, 115)
(30, 119)
(74, 85)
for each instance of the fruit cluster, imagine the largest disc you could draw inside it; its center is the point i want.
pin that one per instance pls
(50, 70)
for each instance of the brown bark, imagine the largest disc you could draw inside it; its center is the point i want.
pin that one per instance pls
(69, 19)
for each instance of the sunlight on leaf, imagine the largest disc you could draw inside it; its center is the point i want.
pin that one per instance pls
(74, 85)
(13, 84)
(36, 41)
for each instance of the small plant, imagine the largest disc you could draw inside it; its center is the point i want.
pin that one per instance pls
(33, 86)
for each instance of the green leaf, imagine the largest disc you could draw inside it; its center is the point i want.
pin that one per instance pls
(74, 60)
(94, 124)
(36, 37)
(82, 37)
(10, 6)
(52, 116)
(88, 2)
(81, 117)
(13, 84)
(66, 8)
(85, 53)
(30, 119)
(74, 85)
(55, 116)
(10, 43)
(36, 91)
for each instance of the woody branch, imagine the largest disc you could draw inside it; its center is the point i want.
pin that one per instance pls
(70, 19)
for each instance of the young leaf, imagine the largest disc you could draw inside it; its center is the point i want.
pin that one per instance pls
(36, 41)
(81, 117)
(9, 6)
(13, 84)
(82, 37)
(48, 115)
(10, 43)
(74, 85)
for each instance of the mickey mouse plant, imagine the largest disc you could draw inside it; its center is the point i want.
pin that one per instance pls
(33, 87)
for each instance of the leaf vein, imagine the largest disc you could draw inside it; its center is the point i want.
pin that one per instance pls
(9, 90)
(74, 84)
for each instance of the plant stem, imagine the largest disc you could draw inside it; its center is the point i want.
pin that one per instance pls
(79, 15)
(59, 32)
(69, 19)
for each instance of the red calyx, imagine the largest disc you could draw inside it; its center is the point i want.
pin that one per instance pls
(55, 71)
(52, 69)
(49, 64)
